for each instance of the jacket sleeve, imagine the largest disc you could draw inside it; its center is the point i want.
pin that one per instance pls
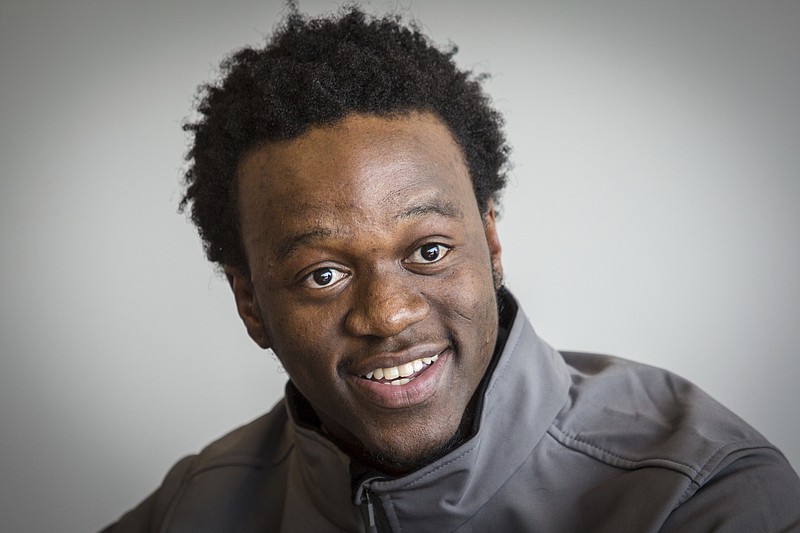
(151, 514)
(756, 490)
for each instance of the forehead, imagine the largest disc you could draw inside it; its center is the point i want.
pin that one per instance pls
(367, 149)
(351, 174)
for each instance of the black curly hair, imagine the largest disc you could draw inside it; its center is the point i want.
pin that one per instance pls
(317, 71)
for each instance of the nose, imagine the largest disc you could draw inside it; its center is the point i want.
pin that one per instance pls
(385, 305)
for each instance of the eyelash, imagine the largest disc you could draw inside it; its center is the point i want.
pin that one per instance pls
(337, 275)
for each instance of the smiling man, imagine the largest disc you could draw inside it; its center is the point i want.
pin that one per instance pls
(377, 293)
(344, 177)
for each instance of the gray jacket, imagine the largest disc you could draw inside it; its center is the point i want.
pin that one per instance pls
(566, 442)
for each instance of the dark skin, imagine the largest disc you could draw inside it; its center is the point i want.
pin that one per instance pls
(367, 251)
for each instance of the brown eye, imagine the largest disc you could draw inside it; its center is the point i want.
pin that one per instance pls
(428, 253)
(323, 277)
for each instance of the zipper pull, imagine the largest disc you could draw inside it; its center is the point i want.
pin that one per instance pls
(370, 509)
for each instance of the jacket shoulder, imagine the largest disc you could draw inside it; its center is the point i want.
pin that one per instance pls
(201, 482)
(632, 415)
(264, 442)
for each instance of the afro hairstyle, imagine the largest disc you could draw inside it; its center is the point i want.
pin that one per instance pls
(315, 72)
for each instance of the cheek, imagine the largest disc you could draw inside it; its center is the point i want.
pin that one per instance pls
(472, 303)
(304, 338)
(469, 310)
(469, 287)
(293, 339)
(292, 324)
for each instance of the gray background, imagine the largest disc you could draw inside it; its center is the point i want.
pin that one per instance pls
(653, 214)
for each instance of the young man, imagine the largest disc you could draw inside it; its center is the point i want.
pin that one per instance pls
(344, 178)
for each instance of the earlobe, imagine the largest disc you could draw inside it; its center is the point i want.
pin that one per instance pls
(493, 242)
(247, 305)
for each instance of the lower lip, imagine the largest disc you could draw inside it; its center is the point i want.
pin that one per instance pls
(413, 393)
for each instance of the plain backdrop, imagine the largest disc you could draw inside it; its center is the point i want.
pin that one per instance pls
(653, 213)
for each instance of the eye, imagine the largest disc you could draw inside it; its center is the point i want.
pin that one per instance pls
(429, 253)
(323, 277)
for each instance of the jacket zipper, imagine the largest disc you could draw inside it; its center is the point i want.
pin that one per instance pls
(369, 512)
(369, 515)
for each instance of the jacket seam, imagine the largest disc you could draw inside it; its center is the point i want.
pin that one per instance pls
(394, 513)
(566, 439)
(192, 472)
(411, 483)
(698, 473)
(499, 488)
(170, 508)
(443, 465)
(511, 348)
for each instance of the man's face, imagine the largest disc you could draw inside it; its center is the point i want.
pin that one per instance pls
(368, 255)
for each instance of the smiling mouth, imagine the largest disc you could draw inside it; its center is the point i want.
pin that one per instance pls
(401, 374)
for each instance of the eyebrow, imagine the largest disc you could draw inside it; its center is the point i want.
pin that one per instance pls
(289, 245)
(445, 209)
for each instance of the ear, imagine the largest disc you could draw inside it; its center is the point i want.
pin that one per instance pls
(247, 305)
(493, 241)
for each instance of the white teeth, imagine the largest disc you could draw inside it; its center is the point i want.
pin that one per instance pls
(406, 369)
(403, 371)
(391, 373)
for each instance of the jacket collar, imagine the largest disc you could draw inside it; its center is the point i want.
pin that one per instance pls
(525, 391)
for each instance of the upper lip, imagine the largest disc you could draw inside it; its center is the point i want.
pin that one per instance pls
(397, 358)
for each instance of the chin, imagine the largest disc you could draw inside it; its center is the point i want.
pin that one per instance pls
(395, 458)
